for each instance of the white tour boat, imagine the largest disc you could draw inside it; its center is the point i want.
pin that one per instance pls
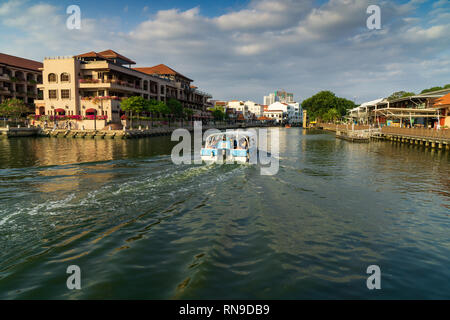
(229, 147)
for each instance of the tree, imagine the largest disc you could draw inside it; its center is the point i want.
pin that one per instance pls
(135, 104)
(188, 113)
(157, 107)
(400, 94)
(331, 115)
(319, 104)
(14, 108)
(431, 89)
(218, 113)
(175, 107)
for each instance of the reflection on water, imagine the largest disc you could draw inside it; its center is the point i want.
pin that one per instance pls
(141, 227)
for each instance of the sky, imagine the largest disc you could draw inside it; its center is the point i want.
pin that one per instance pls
(247, 49)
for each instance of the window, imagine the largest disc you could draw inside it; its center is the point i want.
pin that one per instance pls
(52, 77)
(52, 94)
(65, 94)
(65, 77)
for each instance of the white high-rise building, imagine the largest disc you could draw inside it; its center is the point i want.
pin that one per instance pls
(268, 100)
(280, 96)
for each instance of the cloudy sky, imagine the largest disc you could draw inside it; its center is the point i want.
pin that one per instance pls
(246, 49)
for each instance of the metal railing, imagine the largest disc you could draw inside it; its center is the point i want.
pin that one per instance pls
(418, 132)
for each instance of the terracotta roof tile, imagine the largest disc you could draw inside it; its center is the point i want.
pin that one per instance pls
(20, 62)
(111, 54)
(445, 100)
(161, 69)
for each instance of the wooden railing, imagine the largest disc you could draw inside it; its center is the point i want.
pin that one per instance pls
(418, 132)
(341, 127)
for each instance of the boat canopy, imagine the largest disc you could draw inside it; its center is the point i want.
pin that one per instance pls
(243, 138)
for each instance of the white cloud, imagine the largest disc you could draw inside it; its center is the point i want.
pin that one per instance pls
(267, 45)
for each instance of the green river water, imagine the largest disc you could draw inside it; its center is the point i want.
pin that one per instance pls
(140, 227)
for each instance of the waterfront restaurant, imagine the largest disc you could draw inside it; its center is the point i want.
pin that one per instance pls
(413, 111)
(364, 113)
(443, 106)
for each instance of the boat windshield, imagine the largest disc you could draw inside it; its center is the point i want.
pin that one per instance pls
(237, 140)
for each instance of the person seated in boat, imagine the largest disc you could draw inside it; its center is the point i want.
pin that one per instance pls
(224, 144)
(235, 144)
(243, 144)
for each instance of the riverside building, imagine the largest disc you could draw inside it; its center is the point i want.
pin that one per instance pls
(94, 83)
(19, 78)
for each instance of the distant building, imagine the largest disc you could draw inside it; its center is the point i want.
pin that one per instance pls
(19, 78)
(279, 96)
(269, 99)
(278, 115)
(292, 111)
(254, 108)
(239, 107)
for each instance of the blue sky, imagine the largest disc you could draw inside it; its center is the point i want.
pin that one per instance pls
(246, 49)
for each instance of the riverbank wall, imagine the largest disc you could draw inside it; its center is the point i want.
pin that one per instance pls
(428, 138)
(19, 132)
(132, 134)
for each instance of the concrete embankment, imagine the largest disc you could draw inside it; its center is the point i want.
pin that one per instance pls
(128, 133)
(18, 132)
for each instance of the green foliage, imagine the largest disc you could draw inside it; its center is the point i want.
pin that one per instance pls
(431, 89)
(218, 113)
(188, 113)
(155, 107)
(175, 107)
(134, 104)
(400, 94)
(13, 108)
(447, 86)
(320, 104)
(331, 115)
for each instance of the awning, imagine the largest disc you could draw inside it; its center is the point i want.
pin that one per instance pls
(60, 110)
(91, 110)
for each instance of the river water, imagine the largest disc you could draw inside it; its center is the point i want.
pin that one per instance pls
(140, 227)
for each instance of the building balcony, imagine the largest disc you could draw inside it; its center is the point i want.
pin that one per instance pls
(4, 77)
(118, 84)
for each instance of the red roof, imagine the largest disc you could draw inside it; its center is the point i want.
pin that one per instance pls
(107, 54)
(91, 54)
(111, 54)
(443, 101)
(20, 62)
(264, 118)
(161, 69)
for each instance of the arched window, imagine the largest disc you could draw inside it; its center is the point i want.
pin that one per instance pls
(52, 77)
(65, 77)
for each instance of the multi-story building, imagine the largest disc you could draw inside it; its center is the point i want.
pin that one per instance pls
(280, 96)
(240, 108)
(292, 111)
(268, 100)
(19, 78)
(94, 83)
(278, 115)
(184, 91)
(254, 108)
